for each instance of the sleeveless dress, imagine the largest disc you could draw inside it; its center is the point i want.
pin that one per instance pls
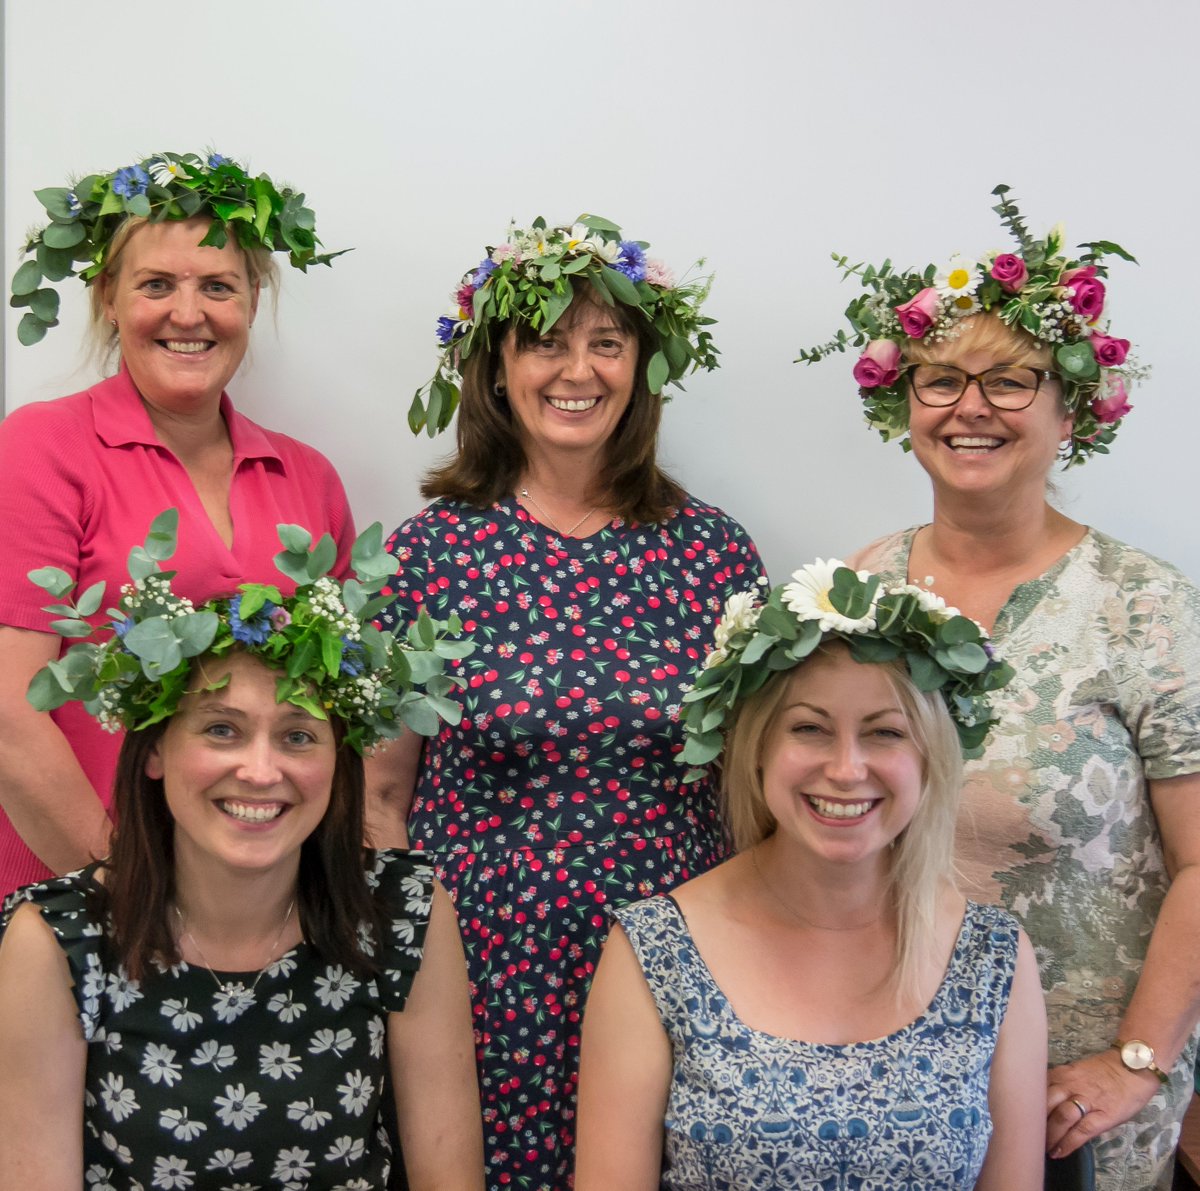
(190, 1088)
(560, 794)
(748, 1110)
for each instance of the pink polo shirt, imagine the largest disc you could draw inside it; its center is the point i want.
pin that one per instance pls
(81, 478)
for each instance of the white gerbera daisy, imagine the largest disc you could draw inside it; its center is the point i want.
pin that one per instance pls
(959, 278)
(808, 597)
(928, 601)
(741, 613)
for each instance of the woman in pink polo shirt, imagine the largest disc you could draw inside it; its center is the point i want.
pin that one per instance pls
(175, 250)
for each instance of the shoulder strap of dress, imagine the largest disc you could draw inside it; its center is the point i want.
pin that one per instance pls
(985, 959)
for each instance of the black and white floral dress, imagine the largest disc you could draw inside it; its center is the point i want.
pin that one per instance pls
(189, 1087)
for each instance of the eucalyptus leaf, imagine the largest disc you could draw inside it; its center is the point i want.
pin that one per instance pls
(27, 278)
(44, 304)
(196, 632)
(154, 643)
(294, 538)
(88, 604)
(658, 372)
(138, 205)
(621, 287)
(52, 579)
(163, 535)
(72, 628)
(321, 560)
(45, 692)
(420, 717)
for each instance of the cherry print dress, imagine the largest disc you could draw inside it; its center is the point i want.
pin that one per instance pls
(559, 796)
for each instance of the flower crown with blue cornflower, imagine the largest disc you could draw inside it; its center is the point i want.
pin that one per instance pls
(1059, 301)
(330, 658)
(85, 215)
(827, 601)
(531, 278)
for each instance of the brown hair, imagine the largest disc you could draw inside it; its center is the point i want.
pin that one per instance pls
(103, 338)
(333, 898)
(489, 457)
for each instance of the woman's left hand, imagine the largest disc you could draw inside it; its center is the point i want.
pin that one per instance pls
(1091, 1096)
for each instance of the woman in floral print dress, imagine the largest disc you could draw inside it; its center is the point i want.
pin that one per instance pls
(591, 583)
(1083, 816)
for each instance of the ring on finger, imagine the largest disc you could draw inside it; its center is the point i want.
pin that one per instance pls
(1079, 1104)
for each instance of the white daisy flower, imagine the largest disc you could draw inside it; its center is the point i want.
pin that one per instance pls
(741, 613)
(238, 1108)
(284, 1007)
(122, 991)
(175, 1121)
(159, 1066)
(960, 276)
(375, 1036)
(808, 597)
(324, 1040)
(172, 1174)
(231, 1003)
(229, 1160)
(213, 1054)
(99, 1178)
(292, 1164)
(121, 1152)
(336, 987)
(164, 172)
(182, 1018)
(355, 1093)
(110, 1042)
(347, 1150)
(276, 1060)
(307, 1114)
(117, 1098)
(928, 601)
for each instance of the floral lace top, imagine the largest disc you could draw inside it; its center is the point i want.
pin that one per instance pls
(1056, 822)
(746, 1109)
(190, 1087)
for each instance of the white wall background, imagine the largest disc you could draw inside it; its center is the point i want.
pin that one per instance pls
(761, 134)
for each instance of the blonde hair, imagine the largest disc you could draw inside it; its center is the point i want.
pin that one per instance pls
(983, 332)
(103, 339)
(922, 857)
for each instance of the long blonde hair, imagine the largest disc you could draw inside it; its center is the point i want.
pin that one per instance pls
(922, 858)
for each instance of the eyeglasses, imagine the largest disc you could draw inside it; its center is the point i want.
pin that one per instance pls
(1005, 387)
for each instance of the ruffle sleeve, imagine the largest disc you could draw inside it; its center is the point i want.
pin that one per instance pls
(404, 887)
(63, 902)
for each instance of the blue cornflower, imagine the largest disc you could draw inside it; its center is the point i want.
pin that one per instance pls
(631, 260)
(486, 267)
(445, 329)
(353, 660)
(131, 181)
(253, 631)
(216, 159)
(121, 627)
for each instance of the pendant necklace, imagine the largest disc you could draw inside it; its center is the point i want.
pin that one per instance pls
(236, 987)
(565, 533)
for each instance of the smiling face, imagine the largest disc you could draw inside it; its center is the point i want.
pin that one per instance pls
(971, 447)
(569, 388)
(842, 774)
(247, 780)
(183, 313)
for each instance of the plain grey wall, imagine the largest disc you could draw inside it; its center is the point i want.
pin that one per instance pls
(761, 135)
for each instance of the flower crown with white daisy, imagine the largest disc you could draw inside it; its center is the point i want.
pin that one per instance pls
(531, 278)
(85, 215)
(331, 659)
(1059, 301)
(827, 601)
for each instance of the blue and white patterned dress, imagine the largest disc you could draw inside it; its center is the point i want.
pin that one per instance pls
(753, 1112)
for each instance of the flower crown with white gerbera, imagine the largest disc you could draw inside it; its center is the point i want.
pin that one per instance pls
(1059, 301)
(531, 278)
(330, 658)
(85, 215)
(827, 601)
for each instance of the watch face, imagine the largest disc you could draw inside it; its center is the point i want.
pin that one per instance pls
(1137, 1055)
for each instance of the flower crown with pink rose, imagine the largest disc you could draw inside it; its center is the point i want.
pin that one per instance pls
(1057, 300)
(532, 278)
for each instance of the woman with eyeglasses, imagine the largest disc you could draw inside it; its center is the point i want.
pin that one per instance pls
(1083, 815)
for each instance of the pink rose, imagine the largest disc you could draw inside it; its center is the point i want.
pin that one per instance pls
(1114, 405)
(1088, 296)
(879, 365)
(1009, 269)
(918, 315)
(1110, 352)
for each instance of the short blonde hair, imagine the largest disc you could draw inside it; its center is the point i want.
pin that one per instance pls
(103, 339)
(983, 332)
(922, 858)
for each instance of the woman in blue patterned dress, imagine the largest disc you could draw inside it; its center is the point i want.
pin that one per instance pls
(216, 1005)
(590, 581)
(825, 1010)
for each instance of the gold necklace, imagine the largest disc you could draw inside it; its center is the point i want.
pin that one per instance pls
(236, 988)
(565, 533)
(792, 909)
